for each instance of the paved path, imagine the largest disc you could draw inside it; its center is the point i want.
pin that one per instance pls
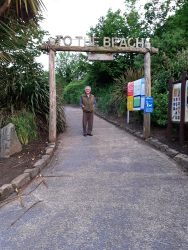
(109, 191)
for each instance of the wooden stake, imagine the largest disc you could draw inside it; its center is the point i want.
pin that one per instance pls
(52, 115)
(147, 73)
(170, 125)
(182, 116)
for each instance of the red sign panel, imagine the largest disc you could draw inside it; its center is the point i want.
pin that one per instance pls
(130, 89)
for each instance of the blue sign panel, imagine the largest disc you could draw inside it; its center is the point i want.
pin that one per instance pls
(149, 105)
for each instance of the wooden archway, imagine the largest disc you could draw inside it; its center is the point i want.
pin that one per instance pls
(51, 48)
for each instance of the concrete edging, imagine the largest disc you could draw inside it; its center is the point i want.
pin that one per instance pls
(29, 174)
(181, 159)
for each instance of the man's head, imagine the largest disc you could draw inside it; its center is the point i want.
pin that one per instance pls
(87, 90)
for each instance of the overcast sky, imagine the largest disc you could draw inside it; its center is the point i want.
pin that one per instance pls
(75, 17)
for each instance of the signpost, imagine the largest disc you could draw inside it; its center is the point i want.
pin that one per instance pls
(110, 45)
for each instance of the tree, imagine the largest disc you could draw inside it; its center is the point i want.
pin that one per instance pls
(71, 66)
(114, 24)
(13, 13)
(20, 9)
(22, 71)
(169, 34)
(158, 12)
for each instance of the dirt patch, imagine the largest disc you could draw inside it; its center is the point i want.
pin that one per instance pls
(17, 163)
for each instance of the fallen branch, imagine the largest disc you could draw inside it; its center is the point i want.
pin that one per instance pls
(34, 189)
(25, 212)
(54, 176)
(7, 201)
(43, 180)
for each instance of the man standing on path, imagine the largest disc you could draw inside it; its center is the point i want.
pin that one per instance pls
(87, 103)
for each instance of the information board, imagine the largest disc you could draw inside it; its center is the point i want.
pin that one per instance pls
(176, 102)
(136, 95)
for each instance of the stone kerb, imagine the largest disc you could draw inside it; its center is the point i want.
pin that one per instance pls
(29, 174)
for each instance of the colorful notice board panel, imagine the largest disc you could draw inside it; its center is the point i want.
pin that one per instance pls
(136, 95)
(130, 104)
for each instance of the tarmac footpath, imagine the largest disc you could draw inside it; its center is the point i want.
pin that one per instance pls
(103, 192)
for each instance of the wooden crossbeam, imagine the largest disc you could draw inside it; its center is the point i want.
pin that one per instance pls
(97, 49)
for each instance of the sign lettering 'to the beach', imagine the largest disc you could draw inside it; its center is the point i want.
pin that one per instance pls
(94, 41)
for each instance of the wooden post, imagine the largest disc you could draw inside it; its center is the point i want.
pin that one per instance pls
(52, 115)
(170, 126)
(147, 73)
(182, 115)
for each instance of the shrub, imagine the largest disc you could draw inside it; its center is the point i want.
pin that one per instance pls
(161, 107)
(73, 91)
(25, 126)
(104, 100)
(33, 95)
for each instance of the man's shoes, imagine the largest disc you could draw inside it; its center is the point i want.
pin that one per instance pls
(84, 134)
(90, 134)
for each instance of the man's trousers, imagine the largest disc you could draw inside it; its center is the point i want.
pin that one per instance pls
(87, 122)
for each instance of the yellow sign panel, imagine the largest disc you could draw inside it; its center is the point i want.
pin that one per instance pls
(130, 103)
